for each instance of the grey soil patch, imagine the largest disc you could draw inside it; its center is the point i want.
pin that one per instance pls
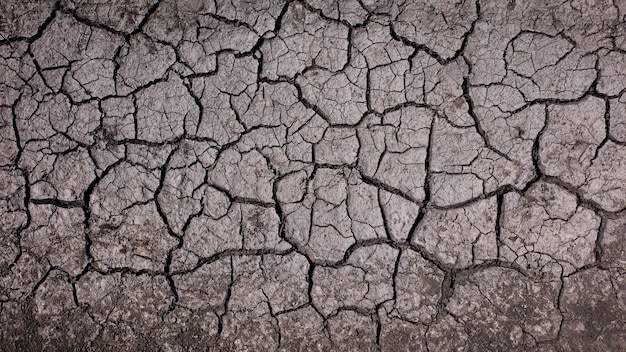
(312, 175)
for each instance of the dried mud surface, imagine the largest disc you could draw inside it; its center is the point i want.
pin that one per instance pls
(312, 175)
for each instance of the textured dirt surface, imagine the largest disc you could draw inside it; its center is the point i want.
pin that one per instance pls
(313, 175)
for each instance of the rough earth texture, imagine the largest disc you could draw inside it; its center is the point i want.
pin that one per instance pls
(312, 175)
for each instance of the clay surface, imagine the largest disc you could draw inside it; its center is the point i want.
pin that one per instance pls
(312, 175)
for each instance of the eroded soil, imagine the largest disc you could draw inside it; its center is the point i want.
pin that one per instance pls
(312, 175)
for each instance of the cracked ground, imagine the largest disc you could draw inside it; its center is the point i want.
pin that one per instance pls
(313, 175)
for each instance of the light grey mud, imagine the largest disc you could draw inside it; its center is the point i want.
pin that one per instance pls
(312, 175)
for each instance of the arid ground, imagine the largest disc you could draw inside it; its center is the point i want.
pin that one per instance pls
(313, 175)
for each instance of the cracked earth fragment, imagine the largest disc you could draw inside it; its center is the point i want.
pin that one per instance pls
(312, 175)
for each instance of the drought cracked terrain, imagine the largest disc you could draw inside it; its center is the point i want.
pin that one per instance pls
(313, 175)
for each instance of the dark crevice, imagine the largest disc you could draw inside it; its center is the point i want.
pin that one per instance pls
(427, 193)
